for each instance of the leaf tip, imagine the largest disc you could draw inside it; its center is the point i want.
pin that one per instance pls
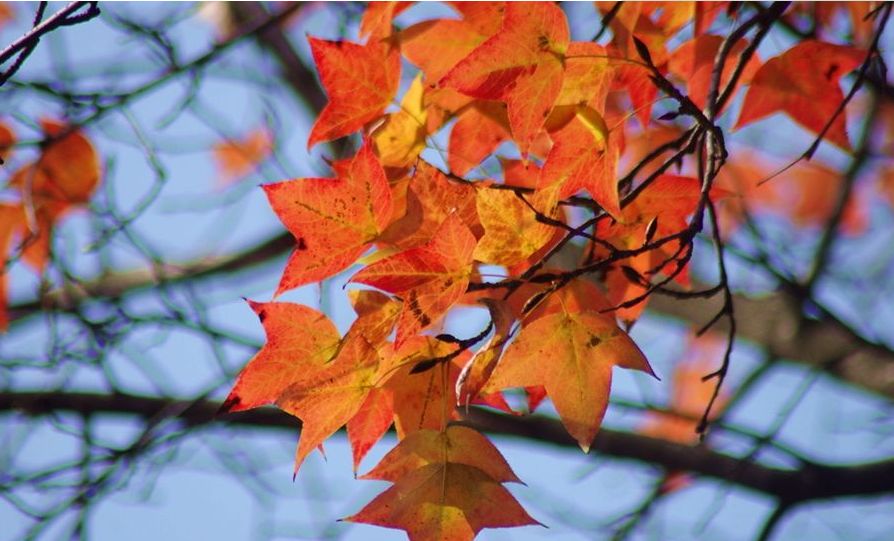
(229, 405)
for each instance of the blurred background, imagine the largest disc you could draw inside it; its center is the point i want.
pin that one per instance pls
(119, 351)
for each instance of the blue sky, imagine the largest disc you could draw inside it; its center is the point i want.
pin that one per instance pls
(196, 491)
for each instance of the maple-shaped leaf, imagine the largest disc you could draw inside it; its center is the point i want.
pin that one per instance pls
(457, 444)
(571, 354)
(693, 62)
(64, 177)
(478, 131)
(422, 400)
(376, 316)
(512, 231)
(584, 156)
(327, 399)
(803, 82)
(376, 22)
(520, 65)
(429, 278)
(299, 340)
(237, 157)
(334, 220)
(401, 138)
(360, 80)
(447, 488)
(588, 76)
(430, 198)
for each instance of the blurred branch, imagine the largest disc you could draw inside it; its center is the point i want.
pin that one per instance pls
(811, 482)
(25, 45)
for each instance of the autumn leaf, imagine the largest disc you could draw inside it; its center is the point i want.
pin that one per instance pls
(447, 487)
(400, 139)
(7, 13)
(299, 340)
(457, 444)
(512, 231)
(7, 141)
(520, 65)
(237, 157)
(422, 400)
(376, 316)
(430, 198)
(803, 83)
(376, 22)
(582, 347)
(326, 399)
(11, 218)
(64, 177)
(334, 220)
(693, 63)
(588, 76)
(478, 132)
(676, 15)
(584, 156)
(690, 393)
(807, 194)
(478, 369)
(436, 46)
(360, 80)
(429, 279)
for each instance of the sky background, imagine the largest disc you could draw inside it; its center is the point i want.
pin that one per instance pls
(198, 488)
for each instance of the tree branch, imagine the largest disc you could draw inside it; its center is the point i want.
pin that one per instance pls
(811, 482)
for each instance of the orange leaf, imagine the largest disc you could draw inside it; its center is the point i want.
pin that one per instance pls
(370, 423)
(7, 140)
(803, 83)
(479, 368)
(237, 157)
(429, 278)
(333, 219)
(447, 488)
(582, 347)
(584, 156)
(401, 138)
(64, 176)
(436, 46)
(327, 398)
(360, 80)
(457, 444)
(422, 400)
(477, 133)
(11, 219)
(520, 65)
(512, 232)
(299, 339)
(588, 76)
(431, 197)
(693, 62)
(376, 20)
